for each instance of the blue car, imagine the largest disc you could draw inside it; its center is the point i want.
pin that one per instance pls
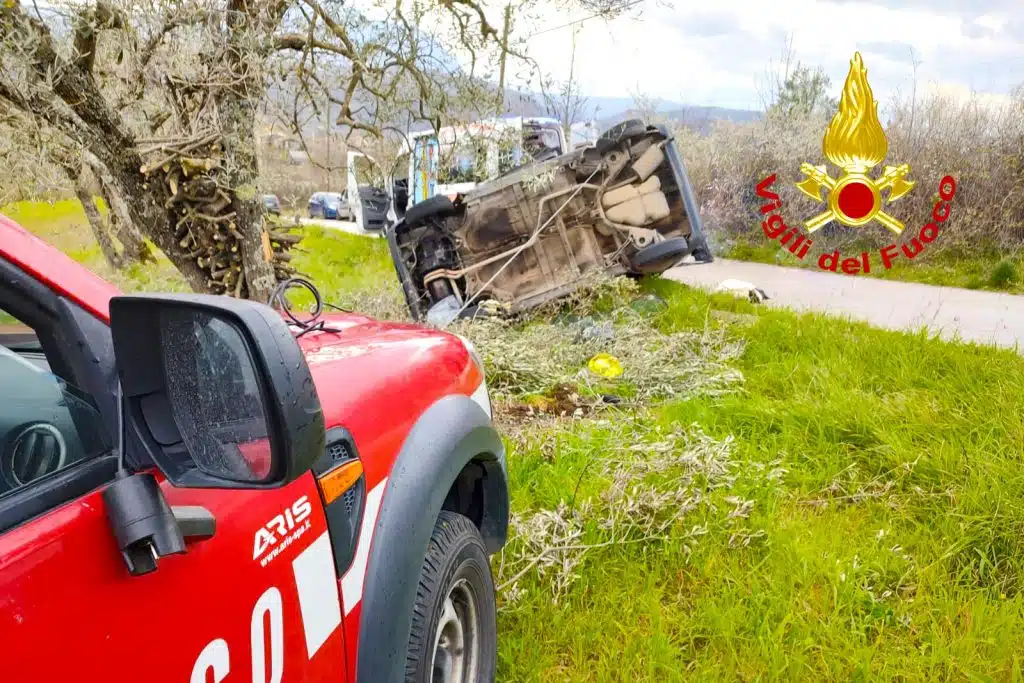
(329, 205)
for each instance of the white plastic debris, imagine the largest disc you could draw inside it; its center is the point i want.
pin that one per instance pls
(444, 311)
(742, 288)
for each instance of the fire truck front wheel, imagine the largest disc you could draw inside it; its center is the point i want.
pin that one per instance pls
(454, 631)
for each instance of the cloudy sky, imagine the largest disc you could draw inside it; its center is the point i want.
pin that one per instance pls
(717, 54)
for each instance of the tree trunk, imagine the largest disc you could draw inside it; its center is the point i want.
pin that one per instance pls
(257, 264)
(119, 217)
(238, 129)
(71, 163)
(98, 225)
(135, 247)
(66, 95)
(144, 206)
(241, 161)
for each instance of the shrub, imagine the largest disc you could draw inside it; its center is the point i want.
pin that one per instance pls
(1003, 275)
(981, 145)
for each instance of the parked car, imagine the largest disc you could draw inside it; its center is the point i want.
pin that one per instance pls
(622, 206)
(329, 205)
(261, 502)
(271, 204)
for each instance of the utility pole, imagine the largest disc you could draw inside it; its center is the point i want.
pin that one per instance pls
(327, 130)
(504, 55)
(571, 99)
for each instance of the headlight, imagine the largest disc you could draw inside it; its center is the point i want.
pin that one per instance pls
(474, 354)
(481, 396)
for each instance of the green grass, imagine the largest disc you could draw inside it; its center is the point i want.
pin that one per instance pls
(891, 545)
(986, 269)
(928, 433)
(63, 224)
(338, 262)
(344, 266)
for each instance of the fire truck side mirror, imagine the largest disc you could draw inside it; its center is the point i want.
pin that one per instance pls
(215, 391)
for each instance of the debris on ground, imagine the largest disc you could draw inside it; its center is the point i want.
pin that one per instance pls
(742, 288)
(589, 329)
(551, 348)
(679, 485)
(649, 304)
(605, 365)
(561, 401)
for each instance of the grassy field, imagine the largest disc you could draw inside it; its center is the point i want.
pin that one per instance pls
(338, 262)
(991, 270)
(848, 506)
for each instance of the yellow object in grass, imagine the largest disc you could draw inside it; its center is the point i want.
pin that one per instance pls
(605, 365)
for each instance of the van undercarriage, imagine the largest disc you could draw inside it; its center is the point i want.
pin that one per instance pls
(621, 206)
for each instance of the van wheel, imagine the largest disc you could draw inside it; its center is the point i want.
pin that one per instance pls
(454, 635)
(626, 129)
(438, 206)
(659, 257)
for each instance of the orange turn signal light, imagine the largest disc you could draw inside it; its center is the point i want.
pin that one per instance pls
(334, 484)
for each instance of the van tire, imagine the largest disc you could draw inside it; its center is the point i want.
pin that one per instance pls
(659, 257)
(629, 128)
(438, 206)
(455, 603)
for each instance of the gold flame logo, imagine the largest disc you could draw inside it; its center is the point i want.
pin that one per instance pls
(855, 142)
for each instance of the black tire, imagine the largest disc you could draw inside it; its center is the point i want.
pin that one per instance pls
(620, 131)
(659, 257)
(437, 206)
(456, 561)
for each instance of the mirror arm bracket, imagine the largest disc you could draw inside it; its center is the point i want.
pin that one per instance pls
(195, 522)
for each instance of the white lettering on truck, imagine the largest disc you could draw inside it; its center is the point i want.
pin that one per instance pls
(287, 527)
(316, 586)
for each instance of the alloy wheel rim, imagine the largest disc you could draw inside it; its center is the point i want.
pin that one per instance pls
(456, 656)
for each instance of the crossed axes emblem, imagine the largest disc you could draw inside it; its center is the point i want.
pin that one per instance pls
(854, 198)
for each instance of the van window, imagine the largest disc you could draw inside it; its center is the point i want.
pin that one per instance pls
(510, 151)
(464, 162)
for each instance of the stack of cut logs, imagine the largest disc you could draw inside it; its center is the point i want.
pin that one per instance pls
(200, 206)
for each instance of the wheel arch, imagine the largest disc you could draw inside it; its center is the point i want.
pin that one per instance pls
(452, 459)
(480, 493)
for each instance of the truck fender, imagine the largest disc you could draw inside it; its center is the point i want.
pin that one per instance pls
(451, 433)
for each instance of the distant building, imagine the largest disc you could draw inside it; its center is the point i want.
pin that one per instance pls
(270, 138)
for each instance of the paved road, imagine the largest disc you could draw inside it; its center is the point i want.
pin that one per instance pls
(985, 317)
(344, 226)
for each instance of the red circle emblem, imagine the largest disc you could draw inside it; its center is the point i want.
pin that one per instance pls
(856, 200)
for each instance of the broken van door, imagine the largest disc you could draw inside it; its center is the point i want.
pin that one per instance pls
(423, 171)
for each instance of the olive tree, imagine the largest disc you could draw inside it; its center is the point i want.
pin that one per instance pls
(158, 101)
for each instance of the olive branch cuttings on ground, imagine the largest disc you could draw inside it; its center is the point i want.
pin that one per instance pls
(656, 487)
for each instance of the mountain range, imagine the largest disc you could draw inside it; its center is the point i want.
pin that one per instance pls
(603, 111)
(607, 111)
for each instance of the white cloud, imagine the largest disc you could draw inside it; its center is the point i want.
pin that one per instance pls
(663, 54)
(964, 94)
